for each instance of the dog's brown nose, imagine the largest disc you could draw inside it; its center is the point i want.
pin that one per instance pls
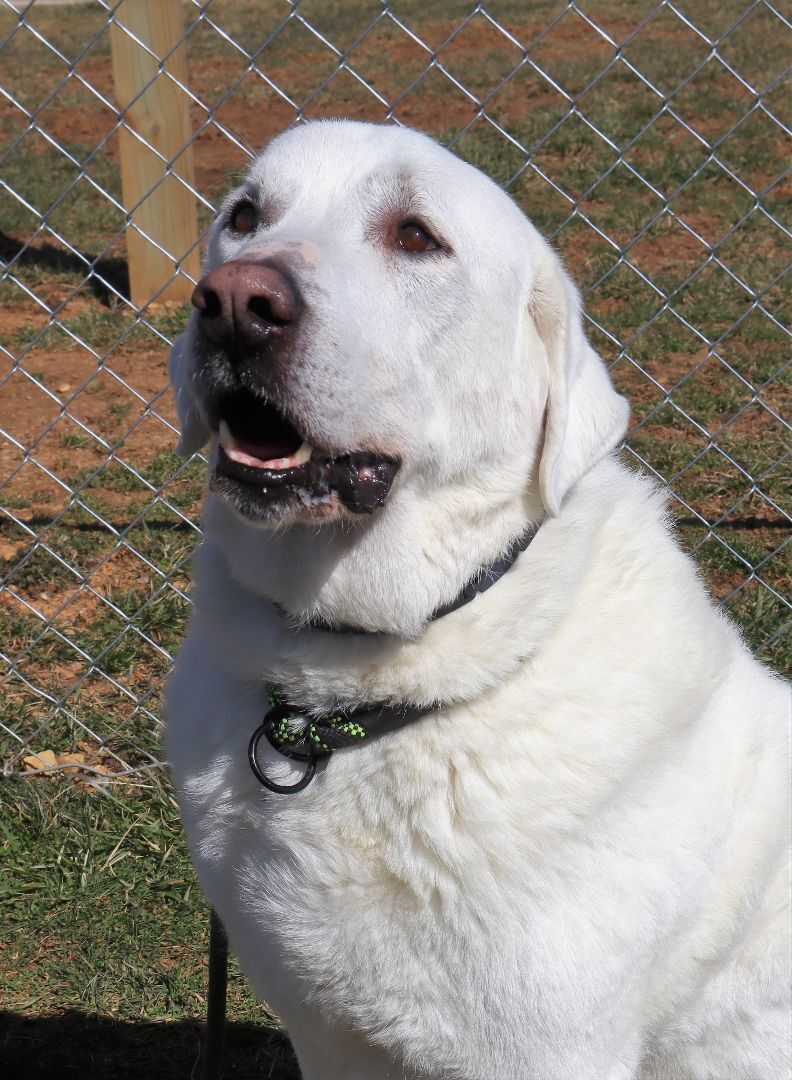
(243, 305)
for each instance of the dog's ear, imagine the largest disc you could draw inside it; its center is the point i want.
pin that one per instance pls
(584, 416)
(194, 432)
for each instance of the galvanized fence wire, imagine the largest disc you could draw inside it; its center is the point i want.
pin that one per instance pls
(53, 707)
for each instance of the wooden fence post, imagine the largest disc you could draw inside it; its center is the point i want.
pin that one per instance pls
(163, 208)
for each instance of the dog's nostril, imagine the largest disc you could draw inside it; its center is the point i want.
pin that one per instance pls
(264, 309)
(206, 301)
(212, 306)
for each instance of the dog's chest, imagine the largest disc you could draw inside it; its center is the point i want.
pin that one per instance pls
(463, 852)
(404, 873)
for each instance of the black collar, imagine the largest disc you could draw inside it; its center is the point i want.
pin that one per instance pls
(301, 737)
(488, 575)
(484, 579)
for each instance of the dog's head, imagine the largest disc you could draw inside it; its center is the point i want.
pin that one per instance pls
(375, 313)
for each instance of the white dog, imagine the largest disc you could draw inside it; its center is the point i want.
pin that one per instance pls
(567, 858)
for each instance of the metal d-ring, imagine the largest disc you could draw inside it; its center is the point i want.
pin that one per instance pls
(265, 729)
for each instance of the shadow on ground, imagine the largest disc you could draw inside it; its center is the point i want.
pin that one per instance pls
(74, 1044)
(108, 278)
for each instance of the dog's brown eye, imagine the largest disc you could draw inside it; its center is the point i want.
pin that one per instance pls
(244, 218)
(414, 238)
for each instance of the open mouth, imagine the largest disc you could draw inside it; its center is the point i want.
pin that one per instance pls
(263, 460)
(253, 434)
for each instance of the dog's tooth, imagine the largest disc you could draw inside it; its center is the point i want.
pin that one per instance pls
(303, 454)
(224, 435)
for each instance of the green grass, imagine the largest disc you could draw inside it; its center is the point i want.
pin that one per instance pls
(100, 917)
(104, 932)
(102, 329)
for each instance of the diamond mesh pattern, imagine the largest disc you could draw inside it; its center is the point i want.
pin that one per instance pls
(646, 139)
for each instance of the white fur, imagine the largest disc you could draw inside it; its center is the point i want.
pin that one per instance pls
(577, 868)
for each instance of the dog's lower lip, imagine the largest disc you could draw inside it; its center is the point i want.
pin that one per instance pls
(260, 475)
(361, 481)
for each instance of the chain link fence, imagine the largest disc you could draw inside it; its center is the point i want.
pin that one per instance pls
(647, 140)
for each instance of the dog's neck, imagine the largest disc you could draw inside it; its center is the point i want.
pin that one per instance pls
(483, 580)
(454, 658)
(388, 575)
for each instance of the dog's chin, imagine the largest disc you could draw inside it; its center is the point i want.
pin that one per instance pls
(271, 476)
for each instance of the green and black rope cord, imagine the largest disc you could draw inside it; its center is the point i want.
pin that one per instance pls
(301, 738)
(333, 732)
